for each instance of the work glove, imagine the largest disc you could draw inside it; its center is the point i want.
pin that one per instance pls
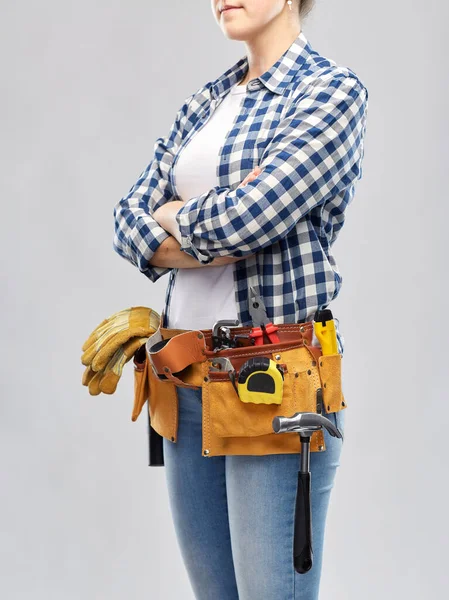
(107, 379)
(114, 331)
(112, 343)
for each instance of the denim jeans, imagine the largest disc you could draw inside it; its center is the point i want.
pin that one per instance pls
(234, 515)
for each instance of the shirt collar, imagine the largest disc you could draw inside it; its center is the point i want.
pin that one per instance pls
(278, 76)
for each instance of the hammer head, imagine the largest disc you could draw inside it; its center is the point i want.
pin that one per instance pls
(305, 423)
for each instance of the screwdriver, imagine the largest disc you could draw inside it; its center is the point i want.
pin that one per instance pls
(325, 331)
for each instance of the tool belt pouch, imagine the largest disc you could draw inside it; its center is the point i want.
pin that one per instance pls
(141, 383)
(311, 383)
(330, 368)
(147, 385)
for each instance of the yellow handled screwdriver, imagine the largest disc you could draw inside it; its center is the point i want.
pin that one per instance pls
(325, 331)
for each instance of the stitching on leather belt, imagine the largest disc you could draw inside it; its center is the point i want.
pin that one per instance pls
(265, 350)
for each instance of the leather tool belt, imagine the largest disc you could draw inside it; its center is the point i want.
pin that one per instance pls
(185, 358)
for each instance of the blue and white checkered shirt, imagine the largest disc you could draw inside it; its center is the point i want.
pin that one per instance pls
(303, 123)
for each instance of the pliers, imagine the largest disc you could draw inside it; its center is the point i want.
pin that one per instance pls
(261, 322)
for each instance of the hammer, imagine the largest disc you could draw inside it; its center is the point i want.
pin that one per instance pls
(305, 423)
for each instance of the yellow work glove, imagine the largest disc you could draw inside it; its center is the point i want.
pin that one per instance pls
(114, 332)
(107, 379)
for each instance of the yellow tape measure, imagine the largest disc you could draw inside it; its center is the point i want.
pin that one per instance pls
(261, 381)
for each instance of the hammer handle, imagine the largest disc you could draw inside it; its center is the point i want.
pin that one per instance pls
(302, 543)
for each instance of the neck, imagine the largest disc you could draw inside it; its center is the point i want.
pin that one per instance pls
(268, 46)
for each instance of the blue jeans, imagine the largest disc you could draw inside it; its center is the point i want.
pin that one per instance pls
(234, 515)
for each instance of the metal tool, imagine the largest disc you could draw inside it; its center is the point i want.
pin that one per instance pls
(243, 340)
(221, 363)
(305, 423)
(261, 322)
(221, 336)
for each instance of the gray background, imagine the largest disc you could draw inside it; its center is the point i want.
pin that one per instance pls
(86, 89)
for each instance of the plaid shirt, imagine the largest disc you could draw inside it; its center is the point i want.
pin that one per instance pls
(303, 122)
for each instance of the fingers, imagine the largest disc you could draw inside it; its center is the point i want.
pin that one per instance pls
(220, 261)
(251, 176)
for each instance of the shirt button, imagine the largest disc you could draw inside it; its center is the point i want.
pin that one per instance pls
(253, 84)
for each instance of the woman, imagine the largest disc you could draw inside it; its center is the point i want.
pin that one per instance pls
(250, 185)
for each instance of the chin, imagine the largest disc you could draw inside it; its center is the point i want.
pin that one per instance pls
(234, 32)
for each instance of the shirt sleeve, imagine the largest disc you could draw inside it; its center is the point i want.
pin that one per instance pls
(316, 152)
(137, 235)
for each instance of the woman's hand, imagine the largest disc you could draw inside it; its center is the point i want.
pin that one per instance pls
(254, 173)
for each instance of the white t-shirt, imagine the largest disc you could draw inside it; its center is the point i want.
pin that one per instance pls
(202, 296)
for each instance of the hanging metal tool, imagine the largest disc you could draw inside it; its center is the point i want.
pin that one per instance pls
(261, 322)
(305, 424)
(225, 365)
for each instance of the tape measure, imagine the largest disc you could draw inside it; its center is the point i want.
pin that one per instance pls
(260, 381)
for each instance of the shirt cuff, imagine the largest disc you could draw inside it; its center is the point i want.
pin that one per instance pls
(187, 217)
(155, 236)
(188, 247)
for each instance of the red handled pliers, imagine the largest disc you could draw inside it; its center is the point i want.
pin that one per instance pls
(260, 320)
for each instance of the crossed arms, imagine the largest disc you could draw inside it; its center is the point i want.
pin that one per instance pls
(316, 152)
